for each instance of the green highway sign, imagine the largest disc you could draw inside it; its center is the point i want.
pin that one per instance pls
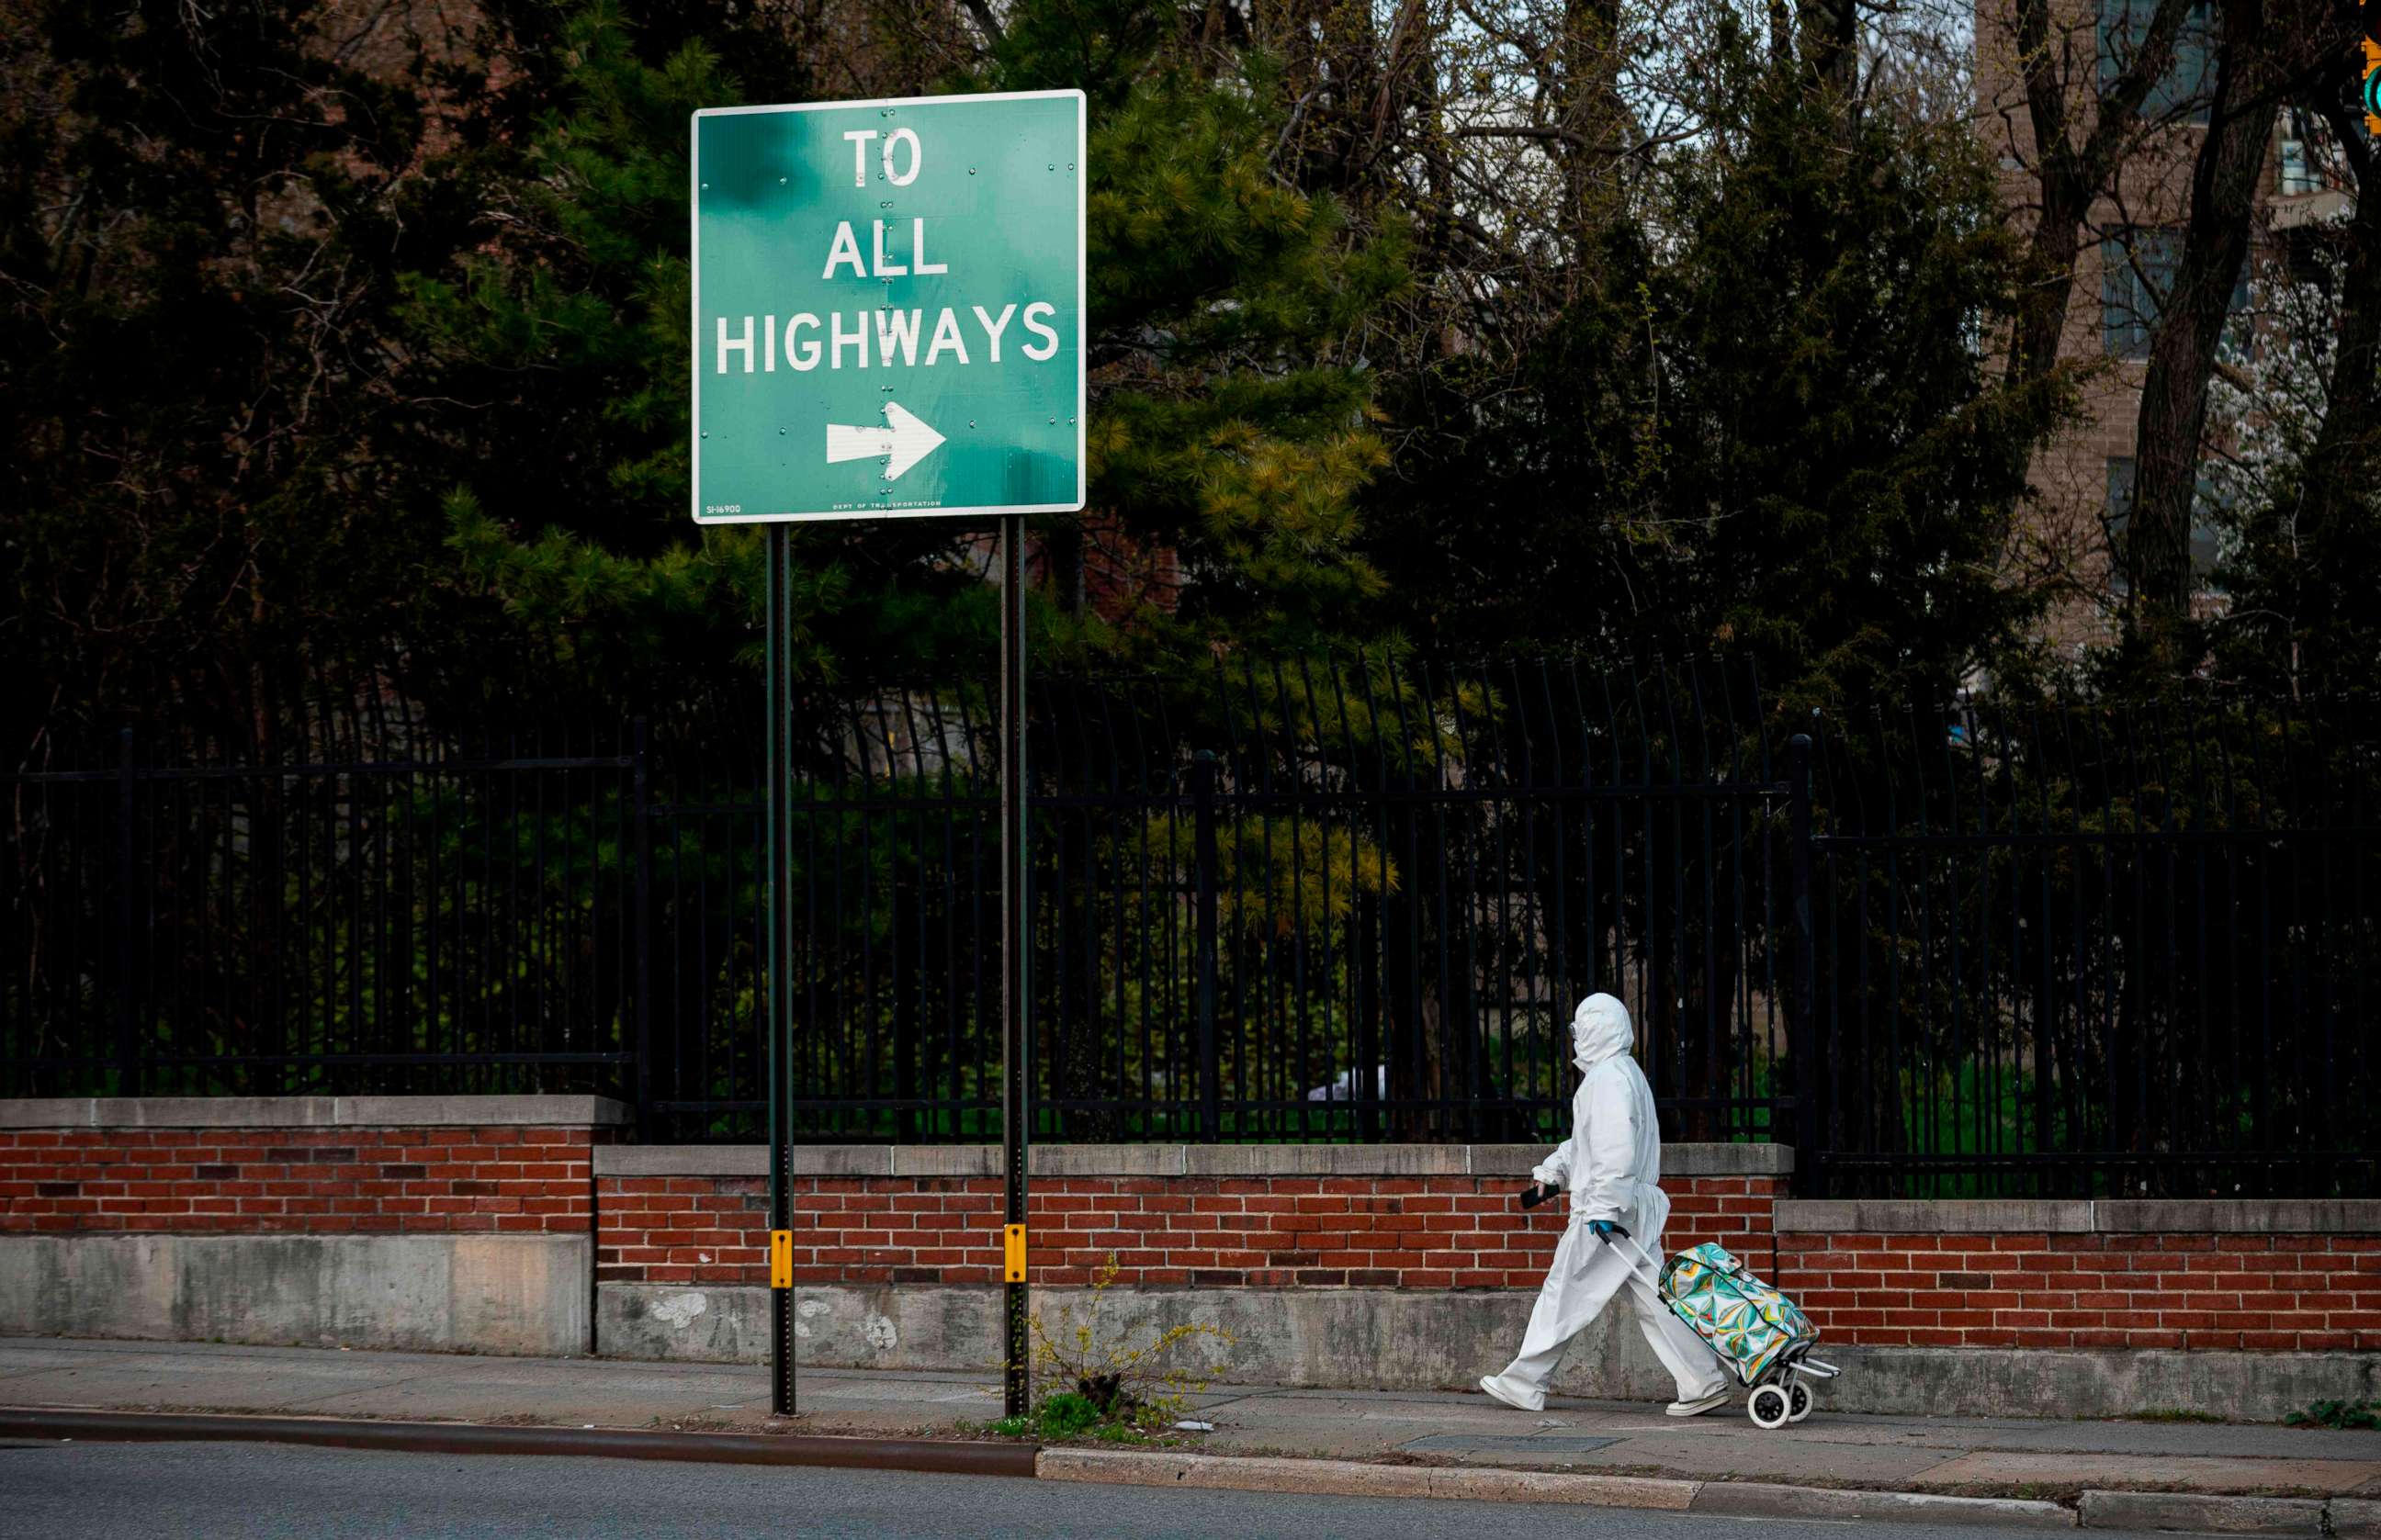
(889, 307)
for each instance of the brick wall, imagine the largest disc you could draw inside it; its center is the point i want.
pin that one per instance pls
(2280, 1275)
(2253, 1276)
(347, 1179)
(2243, 1277)
(2273, 1294)
(300, 1164)
(1268, 1232)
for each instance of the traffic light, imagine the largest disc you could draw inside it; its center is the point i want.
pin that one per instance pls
(2372, 9)
(2371, 76)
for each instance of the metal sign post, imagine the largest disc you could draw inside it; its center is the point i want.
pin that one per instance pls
(780, 1005)
(888, 308)
(1016, 995)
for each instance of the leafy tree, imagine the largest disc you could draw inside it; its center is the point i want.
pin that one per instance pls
(1767, 426)
(2298, 509)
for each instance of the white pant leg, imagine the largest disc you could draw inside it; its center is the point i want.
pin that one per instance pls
(1569, 1301)
(1690, 1363)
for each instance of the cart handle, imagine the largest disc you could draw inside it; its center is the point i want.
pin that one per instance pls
(1652, 1273)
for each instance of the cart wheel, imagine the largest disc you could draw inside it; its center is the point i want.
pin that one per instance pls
(1768, 1407)
(1799, 1396)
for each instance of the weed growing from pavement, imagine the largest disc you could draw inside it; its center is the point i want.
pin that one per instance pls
(1120, 1388)
(2341, 1415)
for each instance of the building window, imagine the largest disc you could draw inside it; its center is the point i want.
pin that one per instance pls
(2206, 542)
(2121, 507)
(2204, 539)
(2137, 271)
(2186, 89)
(2136, 274)
(2297, 177)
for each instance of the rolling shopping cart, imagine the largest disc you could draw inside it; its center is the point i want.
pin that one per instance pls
(1761, 1336)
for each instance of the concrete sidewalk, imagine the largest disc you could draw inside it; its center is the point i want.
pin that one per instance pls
(1958, 1456)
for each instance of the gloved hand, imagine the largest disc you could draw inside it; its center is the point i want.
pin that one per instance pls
(1605, 1230)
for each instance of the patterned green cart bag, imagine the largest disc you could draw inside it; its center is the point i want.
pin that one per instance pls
(1746, 1321)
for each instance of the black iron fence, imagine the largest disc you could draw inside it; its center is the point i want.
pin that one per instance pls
(2072, 952)
(2095, 950)
(1310, 903)
(375, 910)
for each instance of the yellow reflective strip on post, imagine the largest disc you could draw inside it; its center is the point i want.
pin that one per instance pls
(1013, 1239)
(781, 1259)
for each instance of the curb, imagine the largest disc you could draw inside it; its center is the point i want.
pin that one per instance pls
(1350, 1478)
(2186, 1512)
(949, 1456)
(1753, 1499)
(2198, 1515)
(1354, 1479)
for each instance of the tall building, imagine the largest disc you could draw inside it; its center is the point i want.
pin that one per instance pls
(2131, 243)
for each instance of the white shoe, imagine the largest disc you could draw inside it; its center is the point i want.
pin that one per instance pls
(1499, 1390)
(1697, 1407)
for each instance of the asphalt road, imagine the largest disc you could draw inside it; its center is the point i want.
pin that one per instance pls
(263, 1492)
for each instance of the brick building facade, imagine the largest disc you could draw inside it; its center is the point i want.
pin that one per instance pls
(2131, 241)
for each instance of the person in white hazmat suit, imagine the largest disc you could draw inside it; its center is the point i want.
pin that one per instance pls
(1612, 1166)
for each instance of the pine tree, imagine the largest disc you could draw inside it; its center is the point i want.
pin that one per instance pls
(199, 216)
(567, 331)
(1227, 414)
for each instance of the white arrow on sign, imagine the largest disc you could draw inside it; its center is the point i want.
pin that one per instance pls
(901, 441)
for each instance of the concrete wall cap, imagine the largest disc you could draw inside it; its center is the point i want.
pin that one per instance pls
(1250, 1161)
(1678, 1161)
(46, 1112)
(946, 1161)
(514, 1111)
(1264, 1160)
(1728, 1160)
(2078, 1215)
(814, 1160)
(2240, 1215)
(1063, 1160)
(1934, 1216)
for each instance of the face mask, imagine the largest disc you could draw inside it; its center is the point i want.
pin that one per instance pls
(1600, 1030)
